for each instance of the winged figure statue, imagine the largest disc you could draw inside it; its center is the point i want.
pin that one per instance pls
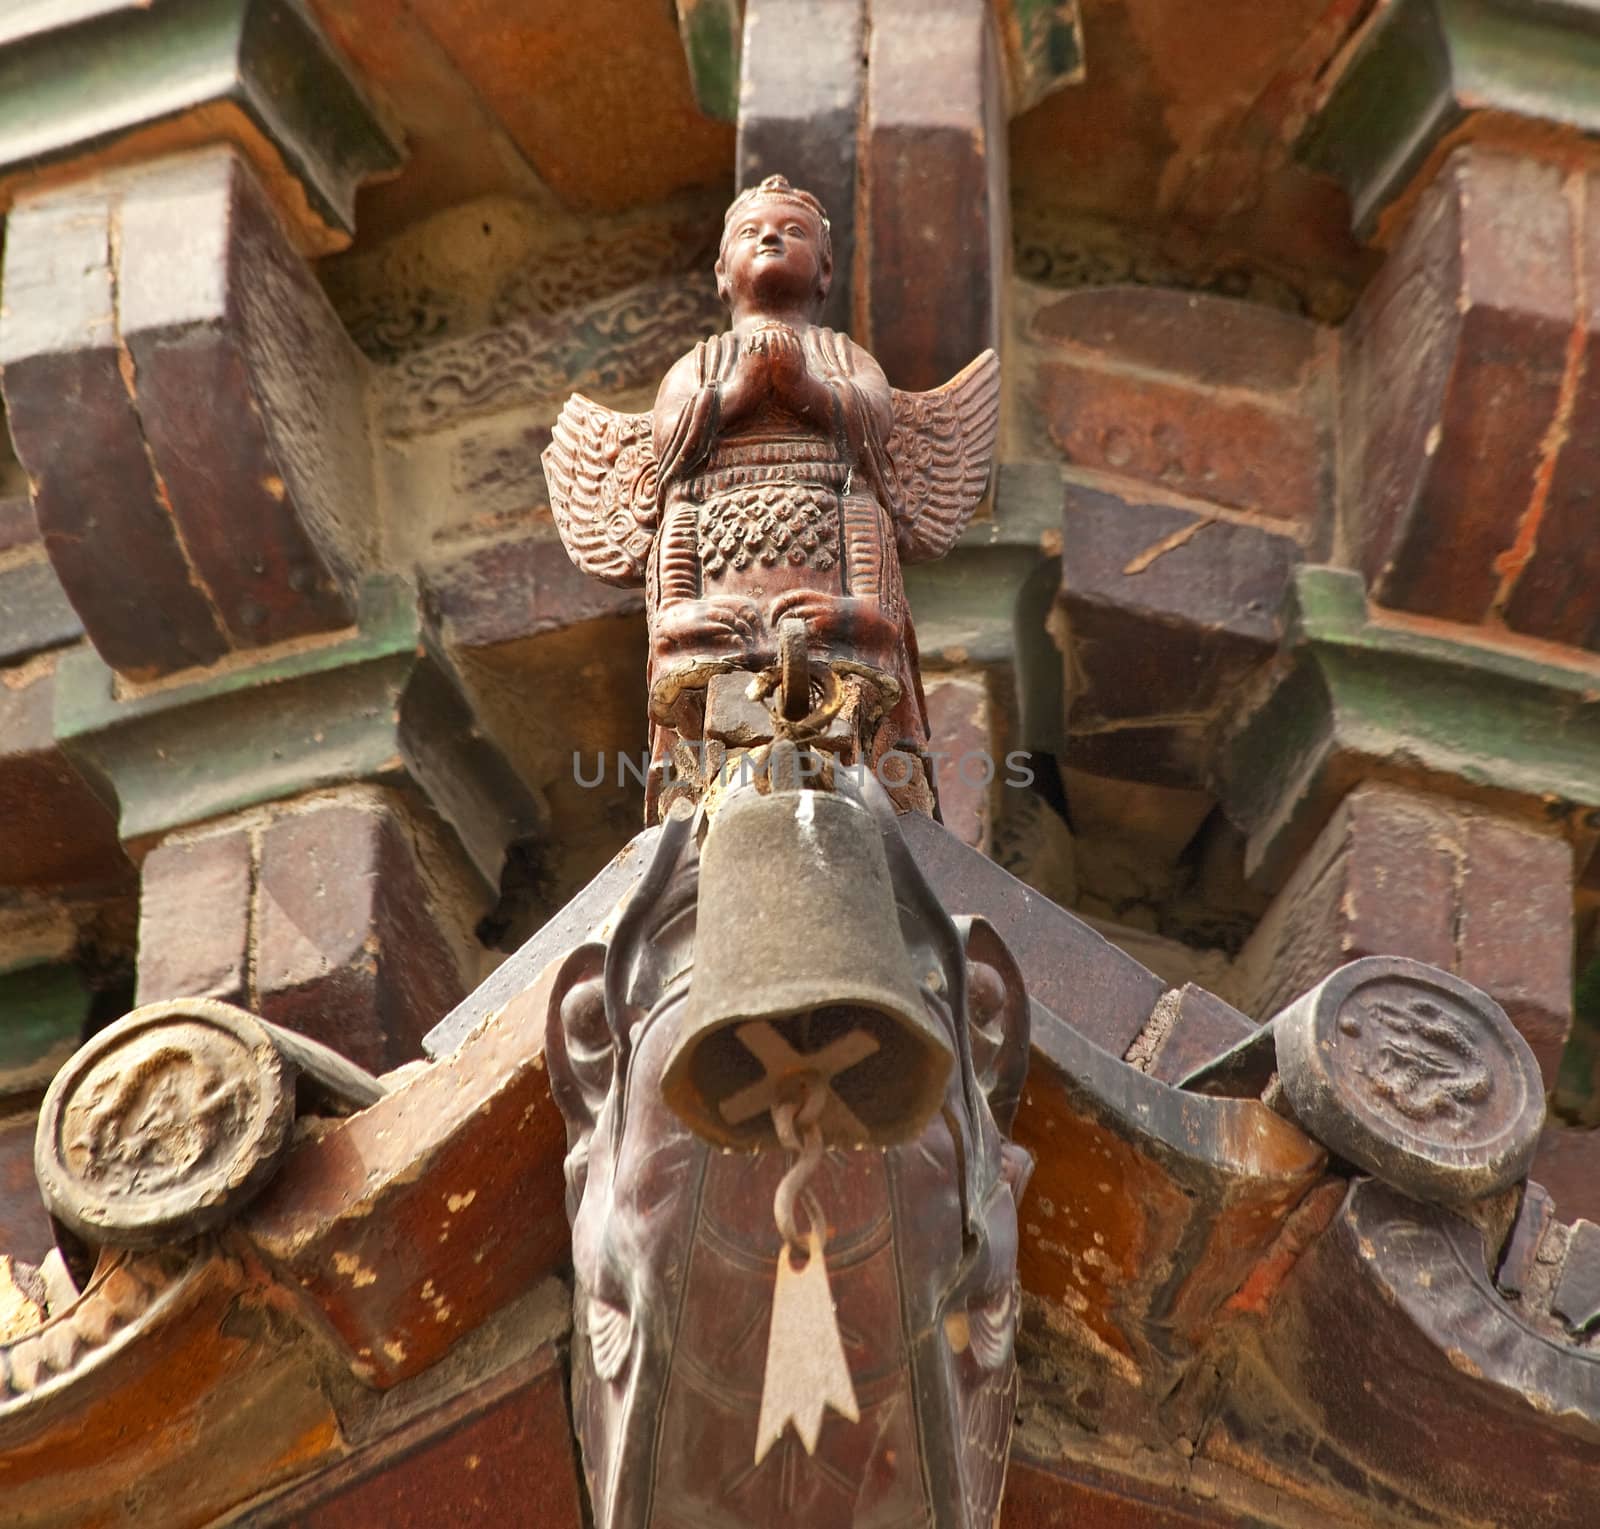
(779, 476)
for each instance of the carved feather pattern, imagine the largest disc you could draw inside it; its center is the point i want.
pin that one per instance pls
(992, 1325)
(990, 1404)
(940, 448)
(600, 467)
(985, 1432)
(610, 1337)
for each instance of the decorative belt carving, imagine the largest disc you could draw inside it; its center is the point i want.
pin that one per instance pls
(787, 474)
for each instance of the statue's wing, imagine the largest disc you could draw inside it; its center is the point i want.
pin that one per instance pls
(941, 447)
(600, 467)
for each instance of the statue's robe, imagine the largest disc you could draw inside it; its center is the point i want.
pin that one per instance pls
(775, 515)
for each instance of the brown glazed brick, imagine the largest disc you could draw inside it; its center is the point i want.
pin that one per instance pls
(1568, 1165)
(960, 728)
(1186, 438)
(1379, 880)
(501, 1455)
(54, 830)
(190, 412)
(194, 919)
(229, 327)
(1166, 612)
(1551, 590)
(1403, 873)
(1515, 933)
(24, 1226)
(519, 586)
(1212, 342)
(1455, 364)
(1220, 401)
(76, 429)
(348, 940)
(935, 227)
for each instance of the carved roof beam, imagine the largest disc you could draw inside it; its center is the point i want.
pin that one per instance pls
(1042, 40)
(1436, 1394)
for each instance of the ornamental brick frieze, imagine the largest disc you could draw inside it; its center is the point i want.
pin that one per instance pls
(208, 489)
(495, 259)
(611, 344)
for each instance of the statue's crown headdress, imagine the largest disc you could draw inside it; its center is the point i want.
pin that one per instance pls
(776, 188)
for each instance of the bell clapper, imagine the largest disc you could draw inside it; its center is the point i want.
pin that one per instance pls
(806, 1370)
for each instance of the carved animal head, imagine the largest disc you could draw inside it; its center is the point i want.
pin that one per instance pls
(675, 1248)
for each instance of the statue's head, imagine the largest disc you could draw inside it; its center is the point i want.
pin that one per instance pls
(776, 249)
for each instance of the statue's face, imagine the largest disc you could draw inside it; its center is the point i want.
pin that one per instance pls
(772, 255)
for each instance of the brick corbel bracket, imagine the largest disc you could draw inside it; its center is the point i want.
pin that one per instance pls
(371, 703)
(1429, 75)
(86, 86)
(189, 411)
(1467, 135)
(1366, 694)
(184, 401)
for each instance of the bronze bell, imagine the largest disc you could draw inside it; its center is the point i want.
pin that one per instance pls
(802, 981)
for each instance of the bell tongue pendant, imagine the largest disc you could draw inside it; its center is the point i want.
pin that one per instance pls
(806, 1369)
